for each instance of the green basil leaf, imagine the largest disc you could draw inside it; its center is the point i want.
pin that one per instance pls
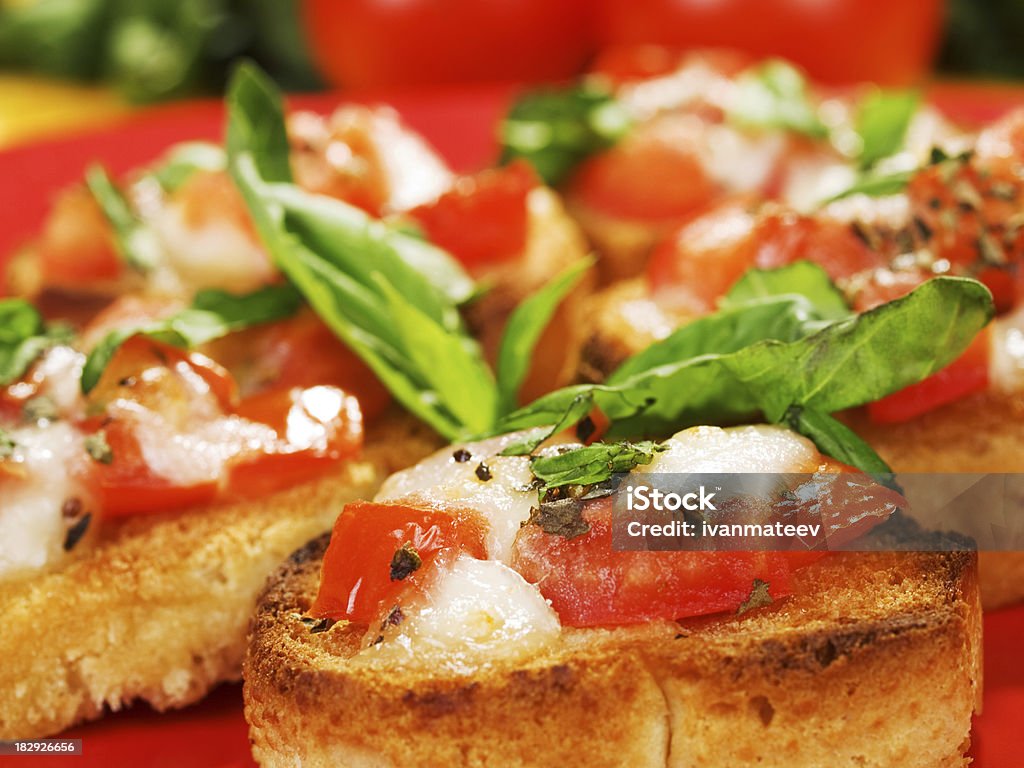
(775, 95)
(360, 245)
(591, 464)
(213, 315)
(136, 243)
(524, 328)
(802, 278)
(861, 359)
(23, 338)
(256, 123)
(368, 282)
(186, 159)
(882, 121)
(456, 375)
(876, 185)
(782, 318)
(837, 440)
(555, 129)
(842, 365)
(559, 410)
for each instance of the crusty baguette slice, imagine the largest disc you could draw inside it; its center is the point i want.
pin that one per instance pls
(620, 321)
(874, 662)
(158, 610)
(624, 244)
(980, 433)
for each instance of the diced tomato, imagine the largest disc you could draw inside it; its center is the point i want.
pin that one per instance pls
(161, 377)
(316, 428)
(884, 285)
(482, 219)
(128, 486)
(313, 429)
(654, 174)
(358, 581)
(590, 584)
(699, 262)
(964, 376)
(77, 243)
(208, 197)
(299, 352)
(966, 211)
(785, 237)
(702, 259)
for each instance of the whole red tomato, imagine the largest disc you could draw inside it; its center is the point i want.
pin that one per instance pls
(887, 41)
(370, 43)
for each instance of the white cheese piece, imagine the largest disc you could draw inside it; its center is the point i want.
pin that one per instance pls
(741, 161)
(31, 522)
(216, 255)
(689, 86)
(504, 500)
(197, 455)
(760, 448)
(478, 612)
(415, 172)
(1006, 362)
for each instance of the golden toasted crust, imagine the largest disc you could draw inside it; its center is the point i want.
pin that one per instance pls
(875, 661)
(620, 321)
(980, 433)
(159, 608)
(624, 244)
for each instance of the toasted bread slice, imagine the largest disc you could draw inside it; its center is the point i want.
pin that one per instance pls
(980, 433)
(158, 609)
(875, 661)
(621, 320)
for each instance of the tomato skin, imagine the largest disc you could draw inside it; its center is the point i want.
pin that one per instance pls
(701, 260)
(483, 218)
(964, 376)
(77, 242)
(891, 43)
(127, 486)
(356, 579)
(698, 263)
(651, 175)
(316, 428)
(590, 584)
(299, 352)
(371, 43)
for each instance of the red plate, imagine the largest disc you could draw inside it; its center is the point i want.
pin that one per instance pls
(461, 124)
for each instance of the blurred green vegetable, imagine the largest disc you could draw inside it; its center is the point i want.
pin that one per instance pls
(152, 50)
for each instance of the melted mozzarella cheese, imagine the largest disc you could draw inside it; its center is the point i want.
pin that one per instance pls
(479, 611)
(415, 172)
(31, 522)
(504, 500)
(217, 254)
(739, 161)
(199, 454)
(760, 448)
(1006, 362)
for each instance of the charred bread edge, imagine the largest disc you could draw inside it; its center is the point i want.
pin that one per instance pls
(582, 708)
(159, 611)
